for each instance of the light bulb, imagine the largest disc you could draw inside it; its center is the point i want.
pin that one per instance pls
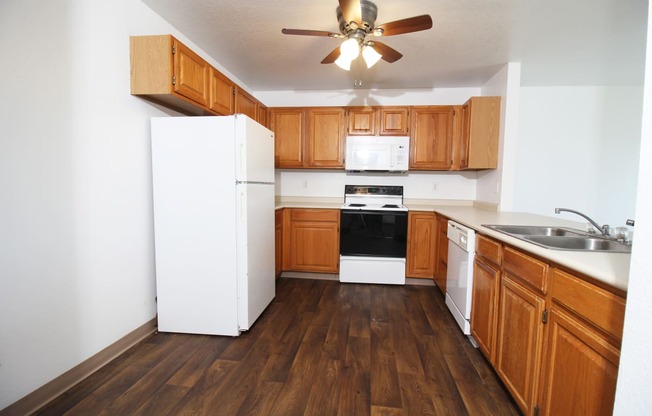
(371, 57)
(343, 63)
(350, 49)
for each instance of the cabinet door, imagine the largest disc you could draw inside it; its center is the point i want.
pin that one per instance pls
(422, 245)
(478, 147)
(431, 139)
(278, 220)
(581, 369)
(222, 93)
(441, 268)
(484, 307)
(362, 121)
(394, 121)
(288, 126)
(245, 103)
(314, 246)
(518, 349)
(325, 138)
(262, 115)
(191, 74)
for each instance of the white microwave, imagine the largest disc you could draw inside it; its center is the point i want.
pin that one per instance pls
(377, 153)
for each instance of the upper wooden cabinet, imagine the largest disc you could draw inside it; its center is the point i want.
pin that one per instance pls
(325, 138)
(394, 121)
(362, 121)
(245, 103)
(262, 117)
(222, 93)
(431, 138)
(288, 125)
(165, 71)
(422, 245)
(477, 146)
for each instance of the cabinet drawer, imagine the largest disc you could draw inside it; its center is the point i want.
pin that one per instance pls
(600, 307)
(315, 215)
(489, 249)
(528, 269)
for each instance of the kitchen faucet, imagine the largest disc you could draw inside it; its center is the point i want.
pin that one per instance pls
(604, 229)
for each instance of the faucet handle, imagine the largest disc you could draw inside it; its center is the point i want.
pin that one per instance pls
(629, 222)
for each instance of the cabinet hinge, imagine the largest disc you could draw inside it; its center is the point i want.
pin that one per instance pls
(174, 49)
(232, 90)
(544, 316)
(536, 411)
(174, 80)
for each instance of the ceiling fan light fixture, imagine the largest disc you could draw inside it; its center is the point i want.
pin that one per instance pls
(343, 63)
(350, 49)
(371, 57)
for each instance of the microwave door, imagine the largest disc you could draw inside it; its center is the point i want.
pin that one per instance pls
(369, 157)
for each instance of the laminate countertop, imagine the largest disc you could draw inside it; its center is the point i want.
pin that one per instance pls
(609, 268)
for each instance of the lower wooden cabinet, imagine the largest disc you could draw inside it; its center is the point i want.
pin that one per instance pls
(581, 369)
(582, 349)
(441, 267)
(422, 245)
(484, 307)
(278, 240)
(313, 243)
(553, 337)
(486, 278)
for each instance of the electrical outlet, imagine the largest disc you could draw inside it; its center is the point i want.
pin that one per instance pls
(497, 187)
(305, 184)
(435, 186)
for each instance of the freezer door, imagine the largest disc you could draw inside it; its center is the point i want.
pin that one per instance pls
(255, 251)
(254, 151)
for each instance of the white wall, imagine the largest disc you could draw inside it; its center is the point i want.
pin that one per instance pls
(416, 185)
(634, 391)
(578, 148)
(76, 235)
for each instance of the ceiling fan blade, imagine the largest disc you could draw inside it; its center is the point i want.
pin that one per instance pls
(351, 11)
(331, 57)
(388, 54)
(309, 32)
(411, 24)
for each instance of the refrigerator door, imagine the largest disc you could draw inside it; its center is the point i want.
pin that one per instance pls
(194, 211)
(255, 250)
(254, 151)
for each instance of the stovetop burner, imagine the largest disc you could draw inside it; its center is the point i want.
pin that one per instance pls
(390, 206)
(357, 205)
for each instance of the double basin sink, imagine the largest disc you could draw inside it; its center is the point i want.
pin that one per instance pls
(562, 238)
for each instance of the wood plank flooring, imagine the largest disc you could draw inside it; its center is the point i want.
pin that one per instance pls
(320, 348)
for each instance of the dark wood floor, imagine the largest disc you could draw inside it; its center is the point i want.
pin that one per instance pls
(321, 348)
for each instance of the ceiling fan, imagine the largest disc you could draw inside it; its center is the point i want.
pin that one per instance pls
(357, 19)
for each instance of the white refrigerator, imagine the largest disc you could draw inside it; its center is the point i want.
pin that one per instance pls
(213, 182)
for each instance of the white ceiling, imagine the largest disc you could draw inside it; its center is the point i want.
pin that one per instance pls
(558, 42)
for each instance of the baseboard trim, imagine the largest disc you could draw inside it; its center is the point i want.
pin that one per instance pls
(43, 395)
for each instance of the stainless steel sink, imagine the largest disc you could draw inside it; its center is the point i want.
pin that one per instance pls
(535, 230)
(579, 243)
(562, 238)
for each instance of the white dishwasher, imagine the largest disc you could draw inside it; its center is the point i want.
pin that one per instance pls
(459, 277)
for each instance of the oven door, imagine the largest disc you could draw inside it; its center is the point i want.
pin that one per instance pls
(373, 233)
